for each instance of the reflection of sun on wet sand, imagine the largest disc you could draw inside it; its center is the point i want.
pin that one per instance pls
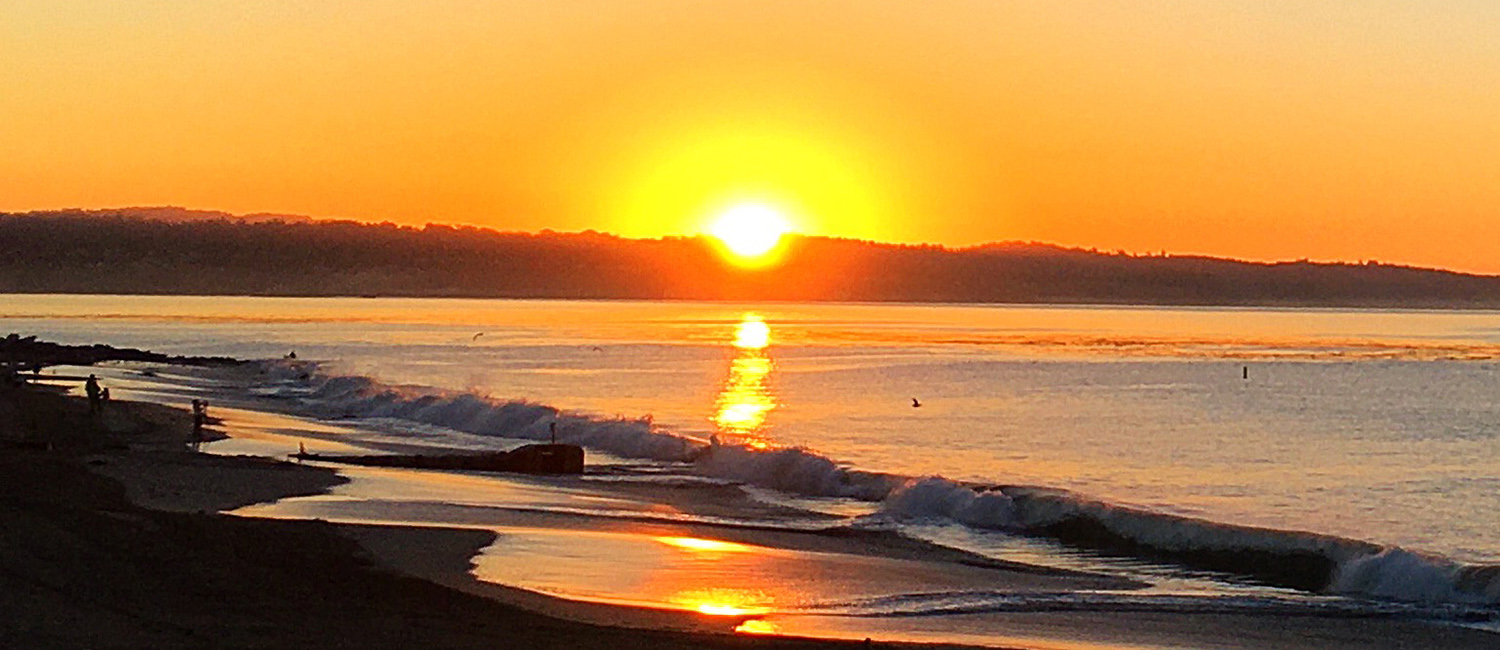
(658, 561)
(84, 567)
(760, 573)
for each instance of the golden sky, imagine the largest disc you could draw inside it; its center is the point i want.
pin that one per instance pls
(1262, 129)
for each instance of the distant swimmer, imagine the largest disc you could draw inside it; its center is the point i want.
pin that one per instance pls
(915, 404)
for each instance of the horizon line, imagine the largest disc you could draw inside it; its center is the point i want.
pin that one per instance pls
(263, 216)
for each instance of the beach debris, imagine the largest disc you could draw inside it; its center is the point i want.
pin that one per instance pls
(528, 459)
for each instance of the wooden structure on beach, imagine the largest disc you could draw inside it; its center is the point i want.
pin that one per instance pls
(528, 459)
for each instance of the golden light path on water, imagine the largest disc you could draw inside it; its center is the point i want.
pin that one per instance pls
(740, 412)
(719, 601)
(746, 399)
(704, 545)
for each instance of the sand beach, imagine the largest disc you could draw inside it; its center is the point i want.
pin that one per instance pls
(112, 539)
(116, 534)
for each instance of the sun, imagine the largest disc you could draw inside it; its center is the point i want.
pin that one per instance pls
(750, 232)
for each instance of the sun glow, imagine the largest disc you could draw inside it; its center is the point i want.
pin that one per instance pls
(720, 601)
(703, 545)
(757, 626)
(750, 232)
(752, 333)
(746, 398)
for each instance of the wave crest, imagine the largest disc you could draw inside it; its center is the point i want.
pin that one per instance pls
(1307, 561)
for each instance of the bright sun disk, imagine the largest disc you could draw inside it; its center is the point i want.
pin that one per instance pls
(750, 230)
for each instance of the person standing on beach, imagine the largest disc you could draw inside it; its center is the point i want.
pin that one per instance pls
(95, 394)
(200, 418)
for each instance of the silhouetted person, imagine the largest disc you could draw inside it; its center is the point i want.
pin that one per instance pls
(103, 396)
(915, 403)
(200, 418)
(91, 387)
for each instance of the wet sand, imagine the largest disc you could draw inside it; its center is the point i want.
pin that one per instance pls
(111, 538)
(82, 566)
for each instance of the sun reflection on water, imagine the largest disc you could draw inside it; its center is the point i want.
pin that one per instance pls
(757, 626)
(752, 333)
(703, 545)
(720, 601)
(746, 399)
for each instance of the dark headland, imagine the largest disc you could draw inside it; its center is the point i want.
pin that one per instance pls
(175, 251)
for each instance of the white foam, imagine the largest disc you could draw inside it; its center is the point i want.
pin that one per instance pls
(1399, 574)
(788, 469)
(792, 470)
(940, 497)
(1360, 568)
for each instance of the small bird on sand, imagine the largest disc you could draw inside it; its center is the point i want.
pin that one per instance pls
(915, 403)
(476, 336)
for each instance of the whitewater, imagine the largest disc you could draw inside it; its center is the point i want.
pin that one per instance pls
(1342, 459)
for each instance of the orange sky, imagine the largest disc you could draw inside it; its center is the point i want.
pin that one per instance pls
(1259, 129)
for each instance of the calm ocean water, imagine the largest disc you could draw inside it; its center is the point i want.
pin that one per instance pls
(1175, 428)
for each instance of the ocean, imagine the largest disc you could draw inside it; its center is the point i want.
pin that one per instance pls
(1346, 460)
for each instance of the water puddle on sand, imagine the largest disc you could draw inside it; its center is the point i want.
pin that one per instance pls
(664, 568)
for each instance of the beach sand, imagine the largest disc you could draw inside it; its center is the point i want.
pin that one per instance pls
(112, 537)
(83, 566)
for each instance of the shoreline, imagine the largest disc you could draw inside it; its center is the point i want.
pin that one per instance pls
(112, 539)
(143, 487)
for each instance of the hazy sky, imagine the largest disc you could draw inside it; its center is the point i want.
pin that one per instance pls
(1258, 129)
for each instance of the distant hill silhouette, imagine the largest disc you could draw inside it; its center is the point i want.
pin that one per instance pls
(176, 251)
(170, 213)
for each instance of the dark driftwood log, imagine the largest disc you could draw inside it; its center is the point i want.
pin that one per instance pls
(530, 459)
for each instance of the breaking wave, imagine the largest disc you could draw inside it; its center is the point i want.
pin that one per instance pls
(1300, 560)
(977, 602)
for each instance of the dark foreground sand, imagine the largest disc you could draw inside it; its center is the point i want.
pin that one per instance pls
(81, 566)
(108, 539)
